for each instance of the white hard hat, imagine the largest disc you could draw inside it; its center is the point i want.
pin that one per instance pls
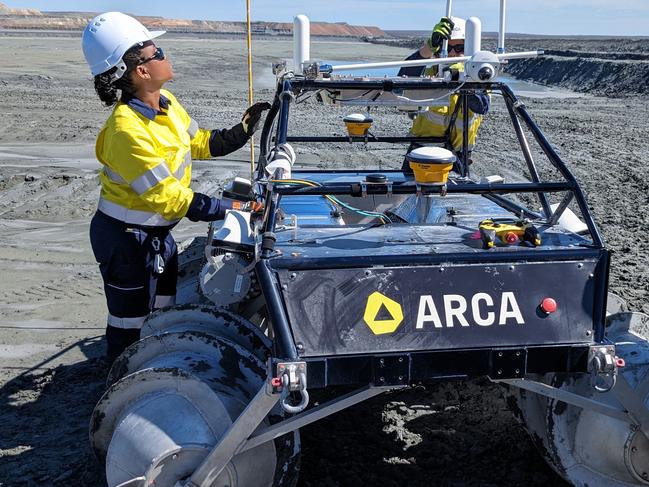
(458, 29)
(108, 36)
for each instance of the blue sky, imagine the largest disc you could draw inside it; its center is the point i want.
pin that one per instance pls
(587, 17)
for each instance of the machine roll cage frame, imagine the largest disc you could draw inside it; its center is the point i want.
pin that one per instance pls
(400, 369)
(374, 373)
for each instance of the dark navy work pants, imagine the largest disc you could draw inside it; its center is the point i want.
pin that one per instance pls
(133, 285)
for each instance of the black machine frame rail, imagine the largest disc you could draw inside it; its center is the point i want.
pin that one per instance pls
(406, 367)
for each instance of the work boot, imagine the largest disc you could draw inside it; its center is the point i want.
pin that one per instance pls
(118, 339)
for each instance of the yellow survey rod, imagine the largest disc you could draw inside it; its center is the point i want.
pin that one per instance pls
(250, 92)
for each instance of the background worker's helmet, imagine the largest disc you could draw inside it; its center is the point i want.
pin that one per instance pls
(108, 36)
(458, 29)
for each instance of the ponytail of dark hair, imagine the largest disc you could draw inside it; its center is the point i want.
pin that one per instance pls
(107, 89)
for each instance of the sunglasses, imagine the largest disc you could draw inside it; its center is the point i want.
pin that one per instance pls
(459, 48)
(158, 55)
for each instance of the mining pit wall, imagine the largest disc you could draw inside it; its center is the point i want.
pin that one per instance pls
(586, 74)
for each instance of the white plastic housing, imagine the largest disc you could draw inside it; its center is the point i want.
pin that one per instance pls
(483, 66)
(473, 40)
(301, 41)
(569, 221)
(235, 230)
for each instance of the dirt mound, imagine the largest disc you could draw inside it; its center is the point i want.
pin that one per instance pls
(585, 74)
(4, 10)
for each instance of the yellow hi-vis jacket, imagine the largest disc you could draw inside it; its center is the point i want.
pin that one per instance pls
(435, 120)
(148, 163)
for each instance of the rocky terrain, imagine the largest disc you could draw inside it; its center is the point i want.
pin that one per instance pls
(52, 310)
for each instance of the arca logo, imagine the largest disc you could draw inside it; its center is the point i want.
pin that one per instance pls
(376, 309)
(480, 308)
(384, 315)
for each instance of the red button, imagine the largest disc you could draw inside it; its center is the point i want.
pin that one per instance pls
(511, 238)
(548, 305)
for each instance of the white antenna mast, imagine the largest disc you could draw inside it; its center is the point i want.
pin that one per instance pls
(444, 52)
(501, 31)
(301, 41)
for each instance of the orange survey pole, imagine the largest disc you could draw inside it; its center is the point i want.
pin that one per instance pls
(250, 93)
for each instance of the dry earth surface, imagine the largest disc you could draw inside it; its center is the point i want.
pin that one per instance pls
(52, 309)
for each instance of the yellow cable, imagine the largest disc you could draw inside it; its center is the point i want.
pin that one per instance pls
(250, 92)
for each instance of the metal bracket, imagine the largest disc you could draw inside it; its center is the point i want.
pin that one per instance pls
(291, 370)
(363, 189)
(291, 377)
(569, 397)
(279, 68)
(508, 363)
(602, 364)
(314, 70)
(391, 370)
(389, 185)
(287, 94)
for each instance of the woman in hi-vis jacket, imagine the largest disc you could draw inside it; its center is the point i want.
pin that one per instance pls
(146, 148)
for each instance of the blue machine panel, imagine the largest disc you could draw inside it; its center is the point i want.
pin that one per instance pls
(415, 308)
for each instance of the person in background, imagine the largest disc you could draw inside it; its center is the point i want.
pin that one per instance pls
(146, 148)
(436, 120)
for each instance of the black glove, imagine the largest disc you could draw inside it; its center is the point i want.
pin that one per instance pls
(252, 116)
(441, 31)
(205, 208)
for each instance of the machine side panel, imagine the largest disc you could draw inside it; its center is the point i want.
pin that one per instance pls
(397, 309)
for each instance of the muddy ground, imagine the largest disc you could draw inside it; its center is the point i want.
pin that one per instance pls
(52, 311)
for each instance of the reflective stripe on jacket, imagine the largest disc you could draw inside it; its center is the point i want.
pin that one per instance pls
(436, 119)
(148, 163)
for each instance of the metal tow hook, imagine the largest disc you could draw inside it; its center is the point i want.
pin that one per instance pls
(603, 365)
(291, 377)
(158, 261)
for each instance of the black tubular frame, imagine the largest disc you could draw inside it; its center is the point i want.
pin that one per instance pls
(567, 358)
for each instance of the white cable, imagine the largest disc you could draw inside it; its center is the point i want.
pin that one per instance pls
(428, 100)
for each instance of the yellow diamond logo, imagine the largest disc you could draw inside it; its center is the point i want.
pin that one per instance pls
(382, 314)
